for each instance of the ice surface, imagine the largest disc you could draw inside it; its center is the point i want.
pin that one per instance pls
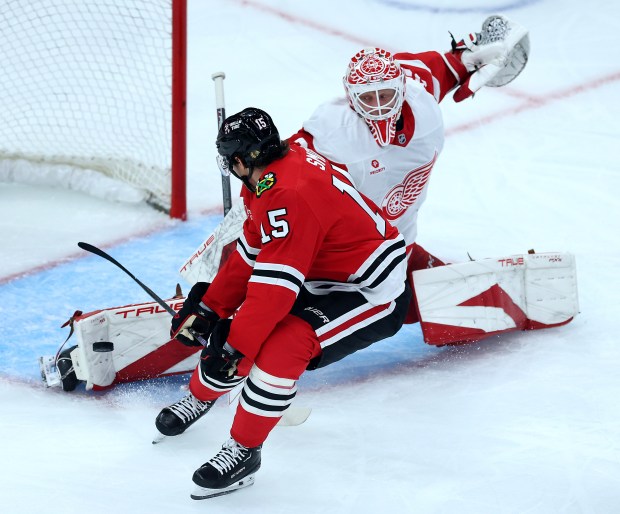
(524, 423)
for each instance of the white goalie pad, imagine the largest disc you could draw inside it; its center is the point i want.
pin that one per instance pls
(469, 301)
(204, 263)
(142, 348)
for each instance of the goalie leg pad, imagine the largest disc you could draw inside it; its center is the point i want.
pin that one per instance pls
(138, 342)
(204, 263)
(469, 301)
(418, 259)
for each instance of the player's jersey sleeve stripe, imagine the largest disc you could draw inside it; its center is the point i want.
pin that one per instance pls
(278, 275)
(248, 254)
(451, 68)
(436, 87)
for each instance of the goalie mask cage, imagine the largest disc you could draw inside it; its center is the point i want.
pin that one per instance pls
(93, 97)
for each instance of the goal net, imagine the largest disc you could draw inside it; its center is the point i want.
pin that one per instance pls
(93, 96)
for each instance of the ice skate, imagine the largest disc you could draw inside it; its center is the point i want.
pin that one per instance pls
(176, 418)
(232, 468)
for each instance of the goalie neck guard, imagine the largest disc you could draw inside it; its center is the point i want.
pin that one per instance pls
(375, 87)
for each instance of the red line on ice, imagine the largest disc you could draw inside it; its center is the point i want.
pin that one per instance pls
(291, 18)
(80, 254)
(529, 101)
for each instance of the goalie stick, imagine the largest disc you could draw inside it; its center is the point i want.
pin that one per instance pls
(292, 416)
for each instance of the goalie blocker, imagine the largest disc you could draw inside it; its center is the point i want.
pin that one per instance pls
(457, 303)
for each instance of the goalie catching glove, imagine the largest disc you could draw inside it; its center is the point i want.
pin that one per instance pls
(194, 322)
(494, 57)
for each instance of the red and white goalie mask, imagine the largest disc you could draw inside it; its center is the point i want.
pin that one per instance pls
(375, 86)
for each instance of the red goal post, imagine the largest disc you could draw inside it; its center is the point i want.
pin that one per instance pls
(93, 97)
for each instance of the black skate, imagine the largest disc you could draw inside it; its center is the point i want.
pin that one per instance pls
(232, 468)
(176, 418)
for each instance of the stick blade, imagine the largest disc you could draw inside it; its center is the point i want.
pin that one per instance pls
(294, 416)
(88, 247)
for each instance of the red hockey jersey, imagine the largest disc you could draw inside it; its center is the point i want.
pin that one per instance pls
(307, 226)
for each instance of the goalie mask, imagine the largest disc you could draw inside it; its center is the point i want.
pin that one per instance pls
(251, 136)
(375, 87)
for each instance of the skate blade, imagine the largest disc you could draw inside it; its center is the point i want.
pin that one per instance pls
(203, 493)
(159, 437)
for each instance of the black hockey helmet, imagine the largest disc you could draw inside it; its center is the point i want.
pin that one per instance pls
(249, 135)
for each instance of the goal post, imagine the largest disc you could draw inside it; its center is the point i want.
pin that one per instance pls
(178, 200)
(93, 97)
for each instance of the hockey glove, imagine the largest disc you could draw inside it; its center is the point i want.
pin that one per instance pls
(194, 322)
(494, 57)
(219, 359)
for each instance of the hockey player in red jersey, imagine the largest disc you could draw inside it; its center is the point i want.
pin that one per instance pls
(387, 132)
(318, 274)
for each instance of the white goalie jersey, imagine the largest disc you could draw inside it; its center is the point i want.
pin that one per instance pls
(395, 177)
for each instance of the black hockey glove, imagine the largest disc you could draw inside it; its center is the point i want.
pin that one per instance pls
(219, 359)
(194, 322)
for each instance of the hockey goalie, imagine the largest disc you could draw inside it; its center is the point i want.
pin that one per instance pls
(455, 304)
(387, 134)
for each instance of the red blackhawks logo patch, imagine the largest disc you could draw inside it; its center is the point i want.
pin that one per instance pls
(265, 183)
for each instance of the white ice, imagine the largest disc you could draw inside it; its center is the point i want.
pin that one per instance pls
(523, 423)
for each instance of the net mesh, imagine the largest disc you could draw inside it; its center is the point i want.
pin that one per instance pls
(88, 83)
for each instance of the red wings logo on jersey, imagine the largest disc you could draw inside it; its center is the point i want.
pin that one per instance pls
(403, 195)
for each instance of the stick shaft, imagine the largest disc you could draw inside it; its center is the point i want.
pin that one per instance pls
(218, 79)
(98, 251)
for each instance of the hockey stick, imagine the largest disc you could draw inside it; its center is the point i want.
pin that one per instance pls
(98, 251)
(291, 417)
(218, 78)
